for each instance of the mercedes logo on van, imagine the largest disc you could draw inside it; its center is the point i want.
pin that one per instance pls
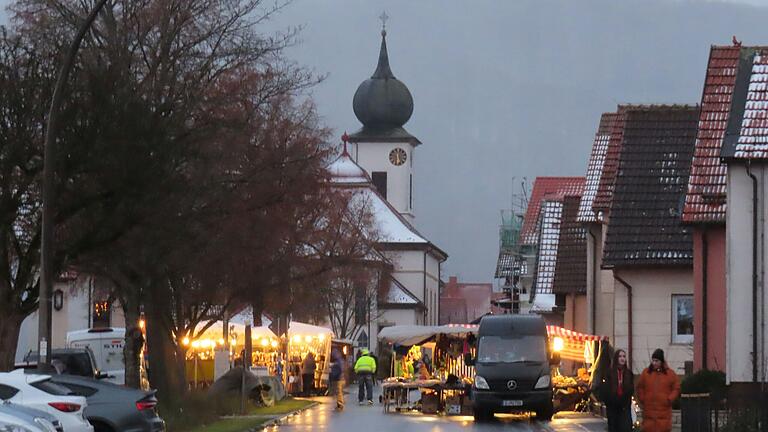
(511, 384)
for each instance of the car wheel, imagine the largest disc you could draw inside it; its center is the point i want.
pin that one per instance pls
(545, 413)
(482, 415)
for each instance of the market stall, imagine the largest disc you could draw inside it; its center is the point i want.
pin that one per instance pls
(303, 339)
(427, 369)
(581, 354)
(201, 350)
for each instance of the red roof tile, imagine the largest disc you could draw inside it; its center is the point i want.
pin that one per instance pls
(705, 200)
(595, 167)
(546, 186)
(602, 202)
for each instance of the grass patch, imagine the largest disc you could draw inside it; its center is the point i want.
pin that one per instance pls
(241, 424)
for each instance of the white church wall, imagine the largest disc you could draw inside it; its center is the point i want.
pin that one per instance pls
(375, 157)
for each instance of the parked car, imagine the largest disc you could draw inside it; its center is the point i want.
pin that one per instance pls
(28, 418)
(113, 408)
(38, 391)
(72, 361)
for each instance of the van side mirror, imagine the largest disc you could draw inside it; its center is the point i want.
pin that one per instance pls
(468, 359)
(554, 359)
(102, 375)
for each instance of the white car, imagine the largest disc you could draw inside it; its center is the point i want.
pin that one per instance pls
(10, 423)
(37, 391)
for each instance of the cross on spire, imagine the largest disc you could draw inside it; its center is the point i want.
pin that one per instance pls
(384, 17)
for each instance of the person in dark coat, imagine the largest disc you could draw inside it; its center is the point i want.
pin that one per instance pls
(617, 393)
(308, 368)
(336, 378)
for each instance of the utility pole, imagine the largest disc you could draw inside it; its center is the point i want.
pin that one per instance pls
(45, 330)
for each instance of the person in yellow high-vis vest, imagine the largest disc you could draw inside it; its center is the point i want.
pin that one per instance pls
(365, 367)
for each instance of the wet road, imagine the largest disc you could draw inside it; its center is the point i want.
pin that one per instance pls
(372, 419)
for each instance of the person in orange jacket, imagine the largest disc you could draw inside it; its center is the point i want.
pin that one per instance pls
(656, 391)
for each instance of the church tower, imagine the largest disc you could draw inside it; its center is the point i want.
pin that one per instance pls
(382, 146)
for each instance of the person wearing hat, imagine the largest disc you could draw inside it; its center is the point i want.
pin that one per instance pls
(365, 367)
(656, 391)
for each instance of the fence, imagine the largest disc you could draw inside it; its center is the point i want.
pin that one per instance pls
(700, 413)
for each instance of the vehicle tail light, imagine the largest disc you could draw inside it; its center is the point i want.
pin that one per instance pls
(65, 406)
(145, 405)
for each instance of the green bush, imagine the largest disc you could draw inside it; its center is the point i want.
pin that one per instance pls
(705, 381)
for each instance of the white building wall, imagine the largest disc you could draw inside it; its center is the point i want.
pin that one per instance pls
(74, 315)
(652, 290)
(739, 273)
(373, 156)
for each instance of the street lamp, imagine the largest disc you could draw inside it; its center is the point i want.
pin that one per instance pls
(44, 329)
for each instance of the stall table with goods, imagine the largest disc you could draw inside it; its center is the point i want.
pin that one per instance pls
(573, 380)
(427, 369)
(303, 339)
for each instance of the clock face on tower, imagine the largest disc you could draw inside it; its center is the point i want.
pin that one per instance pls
(398, 156)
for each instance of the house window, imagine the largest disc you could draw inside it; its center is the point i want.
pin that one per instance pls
(379, 179)
(101, 313)
(682, 319)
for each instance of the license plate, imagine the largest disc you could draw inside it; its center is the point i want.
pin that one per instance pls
(512, 403)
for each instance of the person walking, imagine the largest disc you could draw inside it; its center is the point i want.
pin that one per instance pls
(365, 367)
(657, 389)
(308, 368)
(336, 378)
(618, 389)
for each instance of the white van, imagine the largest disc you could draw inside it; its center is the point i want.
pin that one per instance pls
(107, 347)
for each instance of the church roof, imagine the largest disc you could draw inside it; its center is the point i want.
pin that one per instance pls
(397, 295)
(383, 104)
(391, 226)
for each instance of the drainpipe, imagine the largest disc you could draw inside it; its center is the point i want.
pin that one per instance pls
(593, 301)
(754, 270)
(704, 286)
(629, 316)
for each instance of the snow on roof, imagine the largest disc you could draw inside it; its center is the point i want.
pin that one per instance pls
(345, 170)
(399, 294)
(546, 186)
(595, 168)
(753, 139)
(551, 215)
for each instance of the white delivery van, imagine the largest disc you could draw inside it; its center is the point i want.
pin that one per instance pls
(107, 347)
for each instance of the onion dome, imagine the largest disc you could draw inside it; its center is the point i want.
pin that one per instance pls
(382, 103)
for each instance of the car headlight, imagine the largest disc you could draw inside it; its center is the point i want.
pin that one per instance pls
(14, 428)
(45, 424)
(543, 382)
(481, 383)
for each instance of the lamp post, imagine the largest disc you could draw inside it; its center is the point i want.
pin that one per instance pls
(45, 330)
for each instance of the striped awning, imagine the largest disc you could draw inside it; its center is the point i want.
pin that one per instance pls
(564, 333)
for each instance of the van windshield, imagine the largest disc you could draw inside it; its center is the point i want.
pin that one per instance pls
(498, 349)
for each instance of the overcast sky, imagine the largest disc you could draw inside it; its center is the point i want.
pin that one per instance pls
(509, 88)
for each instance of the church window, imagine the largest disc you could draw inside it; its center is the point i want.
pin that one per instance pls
(380, 181)
(410, 192)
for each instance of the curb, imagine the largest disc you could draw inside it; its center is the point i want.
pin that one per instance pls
(278, 419)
